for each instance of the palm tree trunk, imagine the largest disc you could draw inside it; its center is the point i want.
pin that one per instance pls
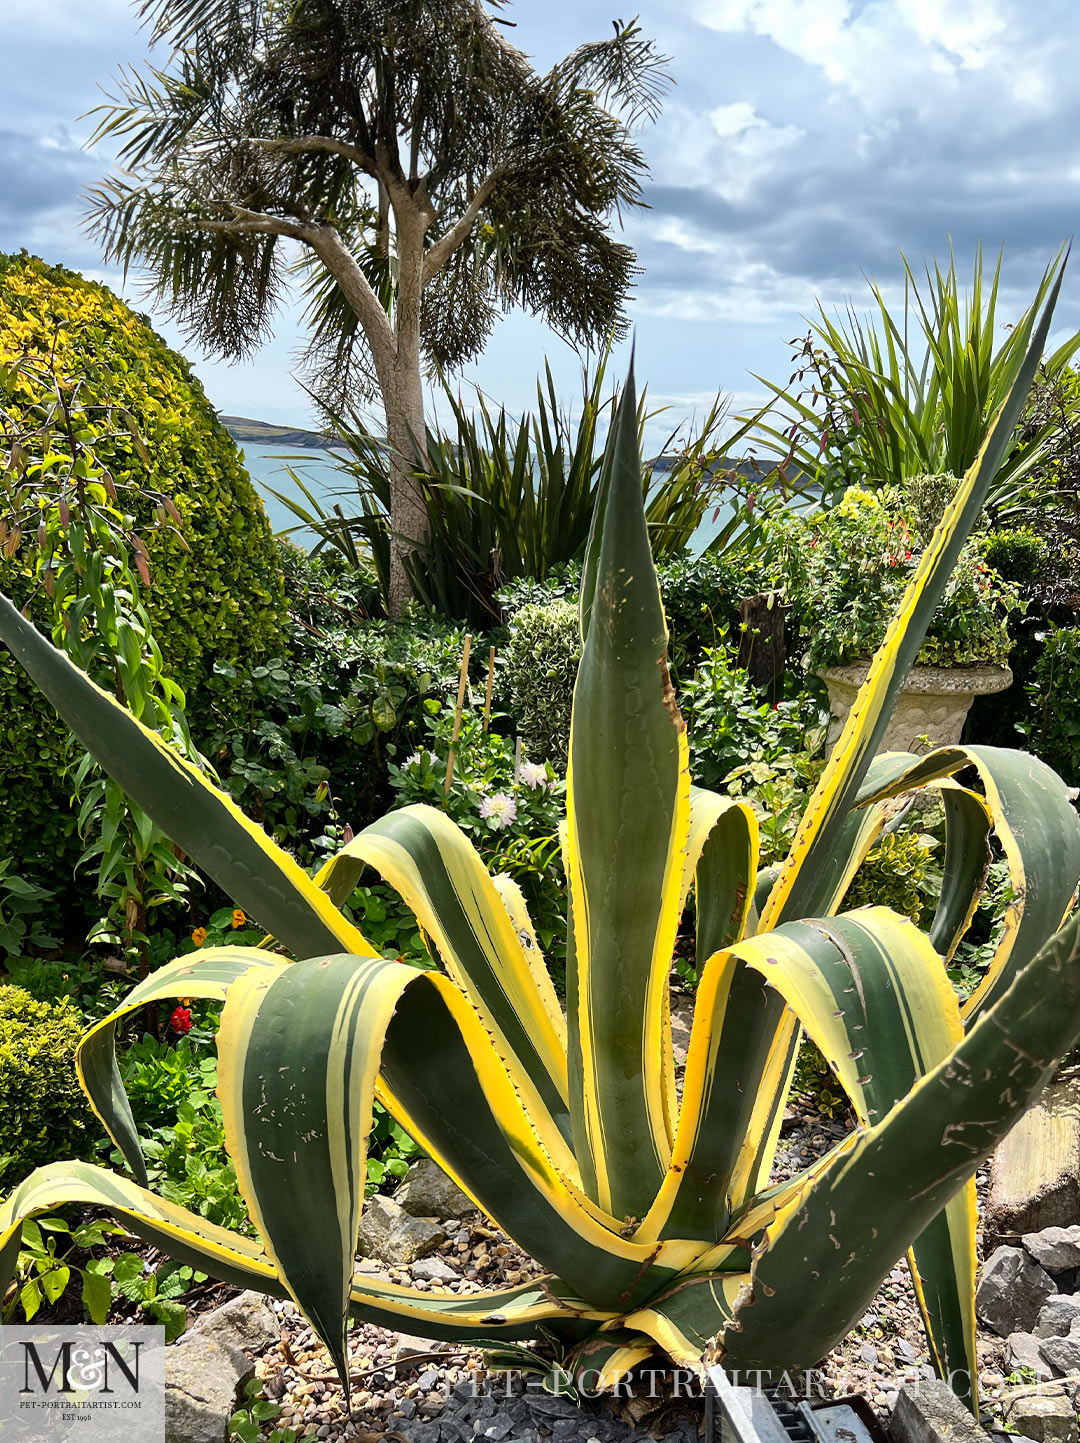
(403, 400)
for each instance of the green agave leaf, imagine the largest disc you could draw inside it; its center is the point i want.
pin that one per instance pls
(846, 1225)
(1039, 831)
(300, 1054)
(207, 973)
(628, 818)
(501, 1314)
(437, 872)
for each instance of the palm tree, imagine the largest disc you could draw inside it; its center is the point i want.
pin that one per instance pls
(406, 159)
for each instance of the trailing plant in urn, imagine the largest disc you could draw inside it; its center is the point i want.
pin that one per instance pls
(654, 1217)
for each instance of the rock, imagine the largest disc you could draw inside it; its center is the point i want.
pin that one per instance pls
(551, 1405)
(392, 1235)
(499, 1427)
(434, 1270)
(246, 1322)
(1055, 1249)
(409, 1343)
(206, 1369)
(1012, 1291)
(1046, 1417)
(930, 1412)
(1035, 1177)
(427, 1192)
(1022, 1351)
(1063, 1354)
(1057, 1316)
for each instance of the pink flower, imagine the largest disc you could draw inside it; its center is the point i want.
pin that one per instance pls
(499, 809)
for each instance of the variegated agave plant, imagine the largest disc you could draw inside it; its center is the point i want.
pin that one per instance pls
(653, 1215)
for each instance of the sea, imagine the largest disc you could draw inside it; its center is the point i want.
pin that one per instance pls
(273, 468)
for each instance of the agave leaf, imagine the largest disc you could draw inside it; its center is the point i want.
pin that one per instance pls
(628, 802)
(876, 1194)
(437, 872)
(299, 1055)
(206, 973)
(504, 1313)
(1039, 832)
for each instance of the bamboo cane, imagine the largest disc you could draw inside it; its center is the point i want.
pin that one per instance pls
(487, 694)
(462, 683)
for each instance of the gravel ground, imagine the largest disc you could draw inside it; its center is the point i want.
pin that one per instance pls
(418, 1392)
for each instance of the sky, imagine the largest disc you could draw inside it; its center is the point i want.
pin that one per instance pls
(803, 146)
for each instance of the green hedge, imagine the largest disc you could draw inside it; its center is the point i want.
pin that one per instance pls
(43, 1115)
(220, 601)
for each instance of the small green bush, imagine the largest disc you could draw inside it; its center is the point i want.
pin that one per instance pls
(730, 726)
(701, 596)
(43, 1115)
(844, 570)
(1015, 555)
(541, 667)
(302, 737)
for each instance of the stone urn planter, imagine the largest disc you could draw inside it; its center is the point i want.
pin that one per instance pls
(935, 701)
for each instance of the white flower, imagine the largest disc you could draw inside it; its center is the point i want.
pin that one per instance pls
(499, 809)
(415, 760)
(533, 775)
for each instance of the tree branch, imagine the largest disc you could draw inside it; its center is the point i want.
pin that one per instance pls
(297, 144)
(244, 220)
(437, 256)
(327, 244)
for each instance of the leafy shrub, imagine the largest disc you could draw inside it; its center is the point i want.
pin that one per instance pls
(729, 725)
(1053, 732)
(298, 741)
(1015, 555)
(21, 906)
(701, 596)
(216, 595)
(43, 1115)
(52, 1255)
(541, 667)
(899, 872)
(846, 568)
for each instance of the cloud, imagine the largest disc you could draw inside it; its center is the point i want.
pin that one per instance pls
(40, 175)
(878, 50)
(852, 131)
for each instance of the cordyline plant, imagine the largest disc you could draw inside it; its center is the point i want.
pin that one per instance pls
(653, 1216)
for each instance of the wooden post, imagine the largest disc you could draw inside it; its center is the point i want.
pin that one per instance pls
(462, 683)
(487, 694)
(762, 649)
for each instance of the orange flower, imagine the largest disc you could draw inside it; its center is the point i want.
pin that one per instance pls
(238, 917)
(199, 936)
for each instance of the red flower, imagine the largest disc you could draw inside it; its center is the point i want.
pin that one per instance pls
(180, 1021)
